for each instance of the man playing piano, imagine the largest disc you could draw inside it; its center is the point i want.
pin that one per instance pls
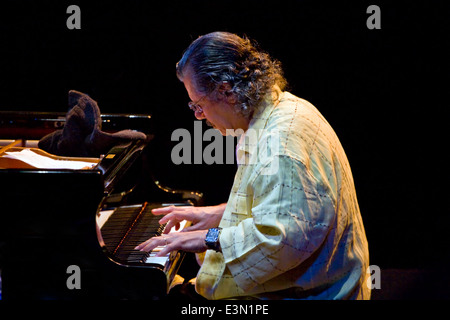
(288, 231)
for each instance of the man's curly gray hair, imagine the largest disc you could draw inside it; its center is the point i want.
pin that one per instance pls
(220, 57)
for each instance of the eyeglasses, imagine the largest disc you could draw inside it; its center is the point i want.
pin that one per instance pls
(194, 105)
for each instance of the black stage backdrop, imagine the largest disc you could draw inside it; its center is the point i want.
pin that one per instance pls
(382, 90)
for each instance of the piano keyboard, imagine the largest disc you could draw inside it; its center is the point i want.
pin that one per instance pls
(125, 227)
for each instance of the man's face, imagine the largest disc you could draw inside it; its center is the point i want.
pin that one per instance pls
(220, 115)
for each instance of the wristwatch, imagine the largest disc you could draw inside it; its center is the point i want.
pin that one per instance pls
(212, 239)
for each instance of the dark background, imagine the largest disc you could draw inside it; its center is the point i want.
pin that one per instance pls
(383, 91)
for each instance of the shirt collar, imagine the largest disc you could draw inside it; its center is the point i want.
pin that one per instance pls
(263, 112)
(257, 123)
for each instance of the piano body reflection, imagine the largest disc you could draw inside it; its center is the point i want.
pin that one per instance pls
(52, 219)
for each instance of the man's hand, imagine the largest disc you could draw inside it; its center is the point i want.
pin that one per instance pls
(190, 239)
(193, 241)
(202, 218)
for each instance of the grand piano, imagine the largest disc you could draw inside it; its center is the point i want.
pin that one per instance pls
(56, 222)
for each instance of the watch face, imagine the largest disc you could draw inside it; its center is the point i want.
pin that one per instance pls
(213, 234)
(212, 239)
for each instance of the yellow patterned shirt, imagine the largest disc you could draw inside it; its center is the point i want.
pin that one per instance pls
(292, 228)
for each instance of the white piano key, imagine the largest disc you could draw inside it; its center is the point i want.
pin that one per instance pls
(157, 260)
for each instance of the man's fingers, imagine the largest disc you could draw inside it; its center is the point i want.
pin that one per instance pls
(164, 251)
(168, 217)
(144, 246)
(169, 209)
(162, 210)
(170, 225)
(177, 216)
(193, 227)
(151, 244)
(162, 243)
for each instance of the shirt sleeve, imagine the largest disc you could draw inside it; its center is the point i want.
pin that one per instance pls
(291, 214)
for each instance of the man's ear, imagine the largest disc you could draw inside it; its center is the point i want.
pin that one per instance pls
(225, 92)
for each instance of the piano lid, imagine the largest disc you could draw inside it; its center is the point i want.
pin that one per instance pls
(30, 125)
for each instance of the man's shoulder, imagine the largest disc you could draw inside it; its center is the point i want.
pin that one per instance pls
(294, 114)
